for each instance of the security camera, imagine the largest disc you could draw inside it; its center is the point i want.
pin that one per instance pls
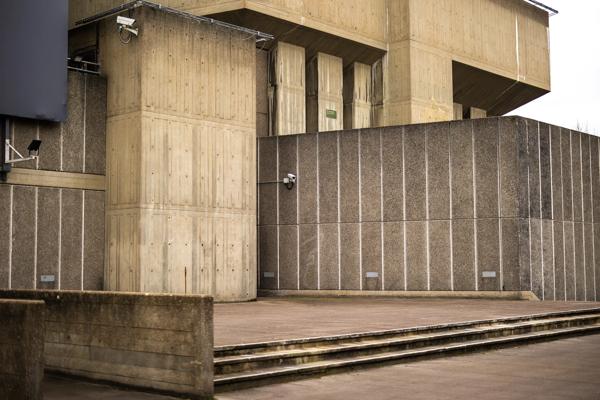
(126, 29)
(289, 181)
(124, 21)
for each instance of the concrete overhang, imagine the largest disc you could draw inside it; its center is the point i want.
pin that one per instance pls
(312, 39)
(474, 87)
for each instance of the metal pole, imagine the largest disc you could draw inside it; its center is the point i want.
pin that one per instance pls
(4, 135)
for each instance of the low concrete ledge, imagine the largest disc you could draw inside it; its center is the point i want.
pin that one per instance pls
(156, 342)
(21, 349)
(491, 295)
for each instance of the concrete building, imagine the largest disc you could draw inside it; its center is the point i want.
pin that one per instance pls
(151, 183)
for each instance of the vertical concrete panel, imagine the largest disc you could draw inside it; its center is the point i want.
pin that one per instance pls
(288, 257)
(287, 164)
(72, 142)
(416, 255)
(71, 246)
(548, 259)
(440, 255)
(461, 153)
(93, 251)
(557, 186)
(569, 260)
(328, 178)
(267, 172)
(349, 173)
(524, 255)
(308, 257)
(438, 152)
(486, 167)
(23, 233)
(350, 256)
(393, 247)
(371, 256)
(588, 232)
(577, 176)
(48, 235)
(595, 166)
(559, 261)
(533, 149)
(536, 258)
(545, 171)
(95, 125)
(268, 257)
(392, 174)
(586, 177)
(415, 188)
(5, 208)
(509, 168)
(567, 174)
(579, 262)
(510, 254)
(50, 136)
(307, 179)
(523, 169)
(370, 169)
(328, 257)
(463, 254)
(488, 253)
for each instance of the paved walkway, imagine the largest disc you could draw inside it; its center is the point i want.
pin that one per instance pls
(563, 369)
(285, 318)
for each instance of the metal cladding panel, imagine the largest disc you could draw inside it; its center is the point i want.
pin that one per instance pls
(33, 59)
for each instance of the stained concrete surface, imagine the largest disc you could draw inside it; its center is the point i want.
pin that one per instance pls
(288, 318)
(562, 369)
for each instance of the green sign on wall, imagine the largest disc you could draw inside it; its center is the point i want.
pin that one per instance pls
(331, 114)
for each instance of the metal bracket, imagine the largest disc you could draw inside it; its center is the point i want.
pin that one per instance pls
(8, 147)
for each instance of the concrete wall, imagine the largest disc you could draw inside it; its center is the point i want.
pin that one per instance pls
(432, 207)
(52, 209)
(21, 349)
(181, 156)
(161, 342)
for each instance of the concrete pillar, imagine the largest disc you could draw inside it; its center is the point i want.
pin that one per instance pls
(181, 137)
(357, 96)
(476, 113)
(458, 111)
(324, 97)
(287, 110)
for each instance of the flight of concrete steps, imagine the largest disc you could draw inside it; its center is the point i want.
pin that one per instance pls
(256, 364)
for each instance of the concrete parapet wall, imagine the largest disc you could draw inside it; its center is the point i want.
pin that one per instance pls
(455, 206)
(159, 342)
(21, 349)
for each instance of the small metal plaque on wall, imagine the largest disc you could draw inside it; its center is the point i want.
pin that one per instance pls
(47, 278)
(331, 114)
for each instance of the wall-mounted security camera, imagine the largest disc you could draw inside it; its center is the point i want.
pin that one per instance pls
(33, 149)
(289, 181)
(126, 29)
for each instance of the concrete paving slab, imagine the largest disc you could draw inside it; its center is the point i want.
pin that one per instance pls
(290, 318)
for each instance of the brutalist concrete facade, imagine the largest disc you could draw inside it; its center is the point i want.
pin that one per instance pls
(478, 205)
(56, 227)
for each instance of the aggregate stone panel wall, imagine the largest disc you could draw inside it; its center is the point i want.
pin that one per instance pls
(22, 349)
(160, 342)
(56, 229)
(462, 205)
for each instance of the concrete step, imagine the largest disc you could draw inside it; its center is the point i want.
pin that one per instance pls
(300, 343)
(370, 346)
(290, 360)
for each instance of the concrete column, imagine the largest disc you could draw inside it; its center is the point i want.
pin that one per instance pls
(181, 137)
(287, 111)
(357, 96)
(324, 99)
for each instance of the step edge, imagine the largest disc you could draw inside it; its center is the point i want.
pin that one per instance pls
(224, 380)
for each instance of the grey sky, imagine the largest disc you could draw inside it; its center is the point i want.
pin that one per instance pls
(575, 68)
